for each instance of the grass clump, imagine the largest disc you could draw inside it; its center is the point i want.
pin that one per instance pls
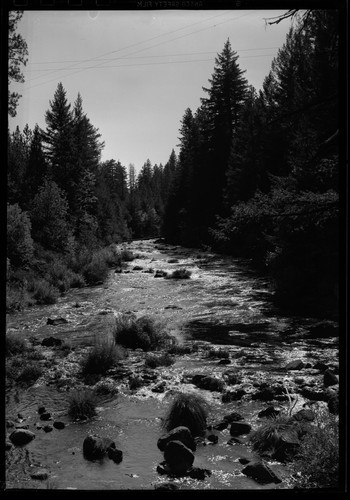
(218, 353)
(45, 293)
(82, 404)
(179, 274)
(153, 361)
(14, 345)
(29, 374)
(317, 463)
(189, 410)
(103, 356)
(140, 333)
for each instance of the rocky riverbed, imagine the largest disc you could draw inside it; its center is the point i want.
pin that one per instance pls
(224, 307)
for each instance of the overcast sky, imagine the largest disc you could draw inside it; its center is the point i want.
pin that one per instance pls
(137, 71)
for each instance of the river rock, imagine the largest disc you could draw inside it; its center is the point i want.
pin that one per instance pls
(269, 412)
(221, 425)
(40, 475)
(56, 321)
(160, 274)
(59, 425)
(261, 473)
(244, 460)
(115, 454)
(329, 378)
(231, 377)
(45, 416)
(180, 433)
(236, 395)
(159, 388)
(198, 473)
(224, 362)
(137, 268)
(41, 410)
(239, 428)
(95, 447)
(233, 417)
(207, 382)
(8, 445)
(297, 364)
(314, 393)
(21, 436)
(22, 426)
(178, 457)
(51, 342)
(166, 487)
(47, 428)
(320, 366)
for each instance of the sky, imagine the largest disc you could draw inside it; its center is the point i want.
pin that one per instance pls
(137, 71)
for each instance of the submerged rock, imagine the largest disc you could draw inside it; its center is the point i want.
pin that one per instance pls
(95, 447)
(20, 437)
(115, 454)
(40, 475)
(180, 433)
(59, 425)
(261, 473)
(198, 473)
(239, 428)
(56, 321)
(166, 486)
(329, 378)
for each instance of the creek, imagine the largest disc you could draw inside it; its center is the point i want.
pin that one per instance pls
(224, 304)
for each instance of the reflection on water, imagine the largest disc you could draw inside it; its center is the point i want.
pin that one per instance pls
(224, 303)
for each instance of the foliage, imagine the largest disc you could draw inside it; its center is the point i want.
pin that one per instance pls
(179, 274)
(317, 464)
(189, 410)
(29, 373)
(103, 356)
(82, 404)
(144, 333)
(154, 361)
(19, 240)
(96, 270)
(45, 293)
(17, 55)
(14, 345)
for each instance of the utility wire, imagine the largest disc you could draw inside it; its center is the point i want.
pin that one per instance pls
(138, 51)
(154, 63)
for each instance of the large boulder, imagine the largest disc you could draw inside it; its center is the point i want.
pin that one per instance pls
(20, 437)
(261, 473)
(95, 447)
(239, 428)
(178, 457)
(181, 434)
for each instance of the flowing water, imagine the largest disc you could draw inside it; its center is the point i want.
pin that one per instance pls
(224, 304)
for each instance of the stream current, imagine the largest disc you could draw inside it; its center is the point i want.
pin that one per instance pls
(224, 304)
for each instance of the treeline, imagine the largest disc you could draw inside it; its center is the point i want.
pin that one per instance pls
(257, 172)
(65, 204)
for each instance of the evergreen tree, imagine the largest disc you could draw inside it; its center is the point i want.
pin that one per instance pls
(17, 55)
(37, 166)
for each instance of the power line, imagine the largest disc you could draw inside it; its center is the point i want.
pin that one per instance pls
(155, 63)
(141, 57)
(138, 51)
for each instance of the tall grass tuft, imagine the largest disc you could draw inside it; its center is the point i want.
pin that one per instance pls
(103, 356)
(144, 333)
(82, 404)
(189, 410)
(153, 361)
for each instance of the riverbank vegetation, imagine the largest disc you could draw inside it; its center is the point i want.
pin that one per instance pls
(257, 176)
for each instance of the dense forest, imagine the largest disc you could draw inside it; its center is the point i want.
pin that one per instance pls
(256, 177)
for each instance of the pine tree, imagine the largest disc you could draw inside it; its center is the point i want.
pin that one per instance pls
(37, 165)
(17, 55)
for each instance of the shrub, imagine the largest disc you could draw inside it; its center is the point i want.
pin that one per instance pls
(142, 333)
(189, 410)
(30, 373)
(153, 361)
(135, 382)
(218, 353)
(106, 387)
(82, 404)
(44, 292)
(96, 270)
(101, 358)
(14, 345)
(127, 255)
(179, 349)
(180, 274)
(317, 464)
(17, 298)
(19, 240)
(76, 280)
